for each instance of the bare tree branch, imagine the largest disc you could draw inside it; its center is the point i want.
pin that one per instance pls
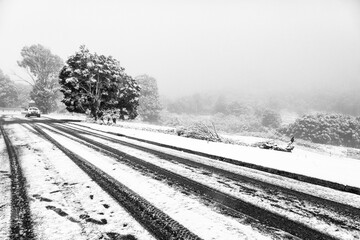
(23, 79)
(29, 73)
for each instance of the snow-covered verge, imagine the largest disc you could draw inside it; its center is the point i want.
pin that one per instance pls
(327, 150)
(315, 190)
(298, 212)
(328, 162)
(332, 168)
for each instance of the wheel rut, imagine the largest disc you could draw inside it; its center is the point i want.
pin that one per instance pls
(21, 225)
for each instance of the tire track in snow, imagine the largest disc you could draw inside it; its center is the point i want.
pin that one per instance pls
(158, 223)
(21, 227)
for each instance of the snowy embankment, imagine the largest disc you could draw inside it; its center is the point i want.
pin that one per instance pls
(332, 168)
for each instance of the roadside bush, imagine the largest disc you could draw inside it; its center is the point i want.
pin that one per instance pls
(199, 130)
(334, 129)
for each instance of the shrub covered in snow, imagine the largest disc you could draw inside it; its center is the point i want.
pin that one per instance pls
(149, 103)
(335, 129)
(97, 83)
(199, 130)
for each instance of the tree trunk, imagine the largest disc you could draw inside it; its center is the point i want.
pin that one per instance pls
(95, 109)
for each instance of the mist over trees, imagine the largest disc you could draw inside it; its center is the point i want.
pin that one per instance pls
(149, 102)
(23, 91)
(8, 93)
(43, 69)
(96, 83)
(191, 104)
(13, 94)
(228, 113)
(341, 101)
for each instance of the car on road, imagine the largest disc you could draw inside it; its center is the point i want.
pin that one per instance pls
(33, 111)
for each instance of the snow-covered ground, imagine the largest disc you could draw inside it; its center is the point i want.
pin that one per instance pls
(341, 170)
(328, 166)
(258, 196)
(182, 208)
(52, 188)
(63, 198)
(65, 202)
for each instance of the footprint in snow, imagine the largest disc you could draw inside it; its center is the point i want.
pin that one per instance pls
(116, 236)
(57, 210)
(42, 199)
(87, 218)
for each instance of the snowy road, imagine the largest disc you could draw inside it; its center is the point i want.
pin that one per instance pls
(202, 198)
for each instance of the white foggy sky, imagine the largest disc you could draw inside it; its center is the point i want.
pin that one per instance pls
(195, 46)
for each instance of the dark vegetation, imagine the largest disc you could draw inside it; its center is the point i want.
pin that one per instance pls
(97, 84)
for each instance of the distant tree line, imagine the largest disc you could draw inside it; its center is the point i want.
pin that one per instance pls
(341, 101)
(228, 115)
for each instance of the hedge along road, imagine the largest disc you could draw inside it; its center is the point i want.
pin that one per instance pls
(269, 218)
(21, 226)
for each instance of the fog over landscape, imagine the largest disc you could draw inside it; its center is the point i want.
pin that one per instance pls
(199, 46)
(179, 119)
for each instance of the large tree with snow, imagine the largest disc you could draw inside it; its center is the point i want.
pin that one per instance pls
(96, 83)
(8, 93)
(43, 69)
(149, 103)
